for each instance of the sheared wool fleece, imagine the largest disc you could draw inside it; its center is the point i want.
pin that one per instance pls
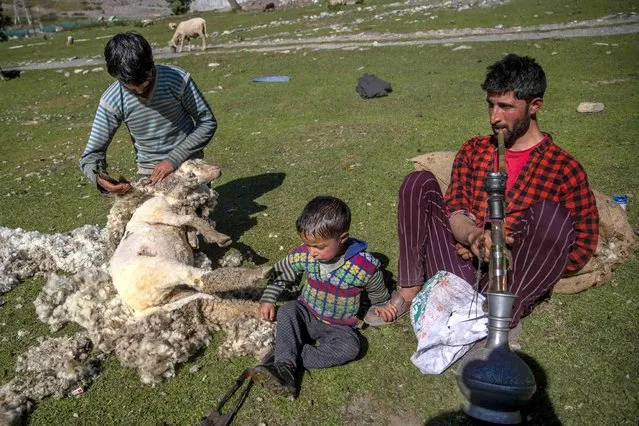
(54, 368)
(27, 254)
(153, 343)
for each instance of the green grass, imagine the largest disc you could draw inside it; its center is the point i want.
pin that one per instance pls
(281, 144)
(294, 23)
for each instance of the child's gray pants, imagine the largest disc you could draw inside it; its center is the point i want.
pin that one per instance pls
(298, 331)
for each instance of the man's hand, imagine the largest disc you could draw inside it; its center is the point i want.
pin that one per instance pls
(480, 242)
(113, 186)
(463, 251)
(162, 170)
(479, 239)
(267, 311)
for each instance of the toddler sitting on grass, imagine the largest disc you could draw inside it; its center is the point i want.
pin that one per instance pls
(318, 330)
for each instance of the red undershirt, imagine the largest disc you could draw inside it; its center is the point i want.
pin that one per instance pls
(515, 161)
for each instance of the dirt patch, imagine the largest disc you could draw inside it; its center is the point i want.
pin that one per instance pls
(364, 410)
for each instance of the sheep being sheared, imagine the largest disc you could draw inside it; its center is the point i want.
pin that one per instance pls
(155, 343)
(152, 343)
(154, 261)
(185, 31)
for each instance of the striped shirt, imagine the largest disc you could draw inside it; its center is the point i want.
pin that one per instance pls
(331, 296)
(174, 123)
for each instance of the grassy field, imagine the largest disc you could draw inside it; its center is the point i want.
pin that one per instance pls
(281, 144)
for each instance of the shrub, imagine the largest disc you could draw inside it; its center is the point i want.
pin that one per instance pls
(179, 7)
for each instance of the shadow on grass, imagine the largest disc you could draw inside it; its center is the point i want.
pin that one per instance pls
(538, 411)
(236, 205)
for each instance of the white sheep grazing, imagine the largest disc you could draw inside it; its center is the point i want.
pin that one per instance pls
(172, 25)
(187, 30)
(154, 261)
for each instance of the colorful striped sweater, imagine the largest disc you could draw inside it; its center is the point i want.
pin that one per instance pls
(334, 299)
(175, 123)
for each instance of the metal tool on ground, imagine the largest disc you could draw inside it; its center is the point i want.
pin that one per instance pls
(215, 417)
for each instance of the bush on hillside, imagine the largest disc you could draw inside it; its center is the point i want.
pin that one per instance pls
(179, 7)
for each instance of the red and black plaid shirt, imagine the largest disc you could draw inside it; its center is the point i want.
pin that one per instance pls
(549, 174)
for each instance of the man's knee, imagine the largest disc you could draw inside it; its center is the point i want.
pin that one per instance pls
(554, 219)
(415, 181)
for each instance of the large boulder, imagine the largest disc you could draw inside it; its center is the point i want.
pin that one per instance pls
(616, 236)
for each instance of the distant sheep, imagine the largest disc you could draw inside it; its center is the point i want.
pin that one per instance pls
(146, 22)
(69, 40)
(172, 25)
(185, 31)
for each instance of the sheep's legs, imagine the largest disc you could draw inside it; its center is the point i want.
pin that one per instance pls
(201, 225)
(232, 278)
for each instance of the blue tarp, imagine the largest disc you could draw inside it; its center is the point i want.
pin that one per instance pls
(272, 79)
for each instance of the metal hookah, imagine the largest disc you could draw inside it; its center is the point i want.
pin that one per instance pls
(493, 379)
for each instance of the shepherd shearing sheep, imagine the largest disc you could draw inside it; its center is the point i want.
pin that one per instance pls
(187, 30)
(153, 343)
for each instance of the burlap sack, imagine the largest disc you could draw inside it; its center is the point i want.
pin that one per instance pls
(616, 237)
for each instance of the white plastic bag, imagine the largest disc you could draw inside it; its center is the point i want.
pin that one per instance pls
(447, 318)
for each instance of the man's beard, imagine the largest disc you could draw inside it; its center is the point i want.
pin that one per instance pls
(519, 128)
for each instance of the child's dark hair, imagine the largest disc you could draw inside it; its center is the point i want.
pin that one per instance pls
(519, 74)
(324, 217)
(129, 58)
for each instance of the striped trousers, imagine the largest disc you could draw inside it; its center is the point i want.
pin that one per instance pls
(543, 239)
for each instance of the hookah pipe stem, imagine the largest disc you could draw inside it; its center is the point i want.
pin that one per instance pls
(499, 255)
(501, 154)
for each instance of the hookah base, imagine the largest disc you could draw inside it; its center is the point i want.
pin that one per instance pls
(492, 416)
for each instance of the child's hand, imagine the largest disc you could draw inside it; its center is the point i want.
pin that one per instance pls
(388, 312)
(267, 311)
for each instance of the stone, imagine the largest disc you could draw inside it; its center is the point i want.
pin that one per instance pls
(587, 107)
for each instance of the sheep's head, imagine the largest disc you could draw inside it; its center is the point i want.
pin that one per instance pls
(172, 46)
(204, 173)
(188, 180)
(173, 43)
